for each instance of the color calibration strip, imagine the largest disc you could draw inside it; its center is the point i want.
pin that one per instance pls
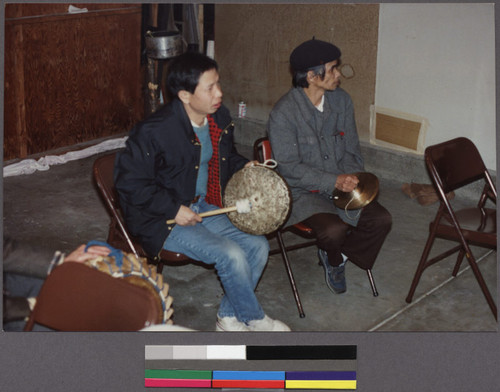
(229, 355)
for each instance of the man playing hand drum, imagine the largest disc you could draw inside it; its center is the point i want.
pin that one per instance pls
(176, 165)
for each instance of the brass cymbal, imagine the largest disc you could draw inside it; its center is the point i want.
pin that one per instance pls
(362, 195)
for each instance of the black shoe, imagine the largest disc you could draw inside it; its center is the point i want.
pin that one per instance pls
(334, 276)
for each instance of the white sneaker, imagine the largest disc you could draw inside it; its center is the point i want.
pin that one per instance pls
(230, 324)
(267, 324)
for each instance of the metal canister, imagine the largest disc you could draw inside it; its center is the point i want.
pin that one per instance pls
(163, 45)
(242, 109)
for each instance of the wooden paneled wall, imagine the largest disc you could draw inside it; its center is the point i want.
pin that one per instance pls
(69, 78)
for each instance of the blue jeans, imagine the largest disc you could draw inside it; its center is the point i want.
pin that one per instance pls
(238, 257)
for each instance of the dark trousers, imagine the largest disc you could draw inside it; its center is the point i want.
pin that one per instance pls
(361, 244)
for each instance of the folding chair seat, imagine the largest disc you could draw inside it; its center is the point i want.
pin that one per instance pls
(453, 165)
(261, 152)
(76, 297)
(118, 235)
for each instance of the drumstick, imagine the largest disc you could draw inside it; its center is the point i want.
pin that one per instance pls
(242, 206)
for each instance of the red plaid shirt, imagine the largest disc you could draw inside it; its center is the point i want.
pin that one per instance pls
(214, 191)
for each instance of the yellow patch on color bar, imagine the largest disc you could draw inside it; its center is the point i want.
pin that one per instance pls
(320, 384)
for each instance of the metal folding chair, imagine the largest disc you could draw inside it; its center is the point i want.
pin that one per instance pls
(452, 165)
(118, 235)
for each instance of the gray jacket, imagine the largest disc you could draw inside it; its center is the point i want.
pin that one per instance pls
(312, 148)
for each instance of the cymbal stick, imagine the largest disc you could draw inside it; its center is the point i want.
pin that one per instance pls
(242, 206)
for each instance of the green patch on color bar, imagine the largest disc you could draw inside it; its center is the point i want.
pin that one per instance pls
(165, 378)
(181, 374)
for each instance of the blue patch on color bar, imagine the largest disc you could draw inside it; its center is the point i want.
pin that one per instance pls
(247, 375)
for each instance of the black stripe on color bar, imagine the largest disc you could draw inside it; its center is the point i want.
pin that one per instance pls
(300, 352)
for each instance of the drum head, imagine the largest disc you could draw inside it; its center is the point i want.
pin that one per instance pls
(269, 197)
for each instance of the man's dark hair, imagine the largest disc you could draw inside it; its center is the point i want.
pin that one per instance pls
(185, 70)
(300, 77)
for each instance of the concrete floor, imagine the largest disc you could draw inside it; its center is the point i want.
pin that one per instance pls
(60, 209)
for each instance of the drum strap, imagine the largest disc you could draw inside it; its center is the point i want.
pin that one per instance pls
(269, 163)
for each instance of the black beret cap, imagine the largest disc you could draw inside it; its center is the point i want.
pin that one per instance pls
(312, 53)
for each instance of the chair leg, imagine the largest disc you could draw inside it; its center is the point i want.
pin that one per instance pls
(460, 257)
(479, 277)
(421, 266)
(290, 274)
(463, 250)
(372, 282)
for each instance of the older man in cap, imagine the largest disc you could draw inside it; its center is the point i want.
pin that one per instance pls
(315, 142)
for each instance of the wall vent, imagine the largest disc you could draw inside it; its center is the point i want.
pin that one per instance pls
(397, 130)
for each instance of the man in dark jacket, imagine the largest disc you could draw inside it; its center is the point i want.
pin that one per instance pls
(314, 139)
(176, 165)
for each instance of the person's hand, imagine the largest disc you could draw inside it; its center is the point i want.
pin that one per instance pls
(346, 182)
(251, 163)
(79, 255)
(187, 217)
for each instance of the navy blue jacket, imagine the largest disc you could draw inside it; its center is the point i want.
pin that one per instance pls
(157, 171)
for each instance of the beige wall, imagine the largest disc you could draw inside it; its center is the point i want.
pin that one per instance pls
(253, 44)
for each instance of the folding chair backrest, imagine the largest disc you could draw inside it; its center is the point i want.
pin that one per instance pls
(76, 297)
(103, 175)
(262, 149)
(454, 163)
(118, 235)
